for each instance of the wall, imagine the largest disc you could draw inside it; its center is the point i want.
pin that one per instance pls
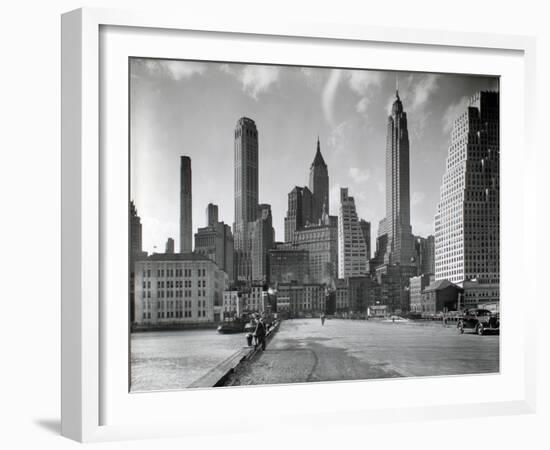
(30, 225)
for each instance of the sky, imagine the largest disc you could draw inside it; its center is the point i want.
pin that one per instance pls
(191, 108)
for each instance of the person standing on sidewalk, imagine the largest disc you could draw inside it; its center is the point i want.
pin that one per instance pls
(259, 332)
(323, 319)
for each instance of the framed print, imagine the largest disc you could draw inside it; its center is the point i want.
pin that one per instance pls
(320, 214)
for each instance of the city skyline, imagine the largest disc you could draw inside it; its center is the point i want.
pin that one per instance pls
(354, 148)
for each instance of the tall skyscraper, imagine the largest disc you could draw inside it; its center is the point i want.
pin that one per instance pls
(186, 206)
(246, 193)
(318, 185)
(397, 223)
(352, 249)
(211, 214)
(299, 213)
(263, 240)
(467, 218)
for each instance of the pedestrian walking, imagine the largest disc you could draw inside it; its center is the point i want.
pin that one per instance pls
(259, 332)
(322, 319)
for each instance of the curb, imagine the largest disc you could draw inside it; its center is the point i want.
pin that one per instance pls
(217, 376)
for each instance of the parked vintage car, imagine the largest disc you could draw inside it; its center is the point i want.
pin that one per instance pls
(479, 320)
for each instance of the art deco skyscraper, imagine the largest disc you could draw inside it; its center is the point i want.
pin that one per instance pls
(352, 248)
(397, 223)
(318, 185)
(246, 193)
(467, 219)
(186, 206)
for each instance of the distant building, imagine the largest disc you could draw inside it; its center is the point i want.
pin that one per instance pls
(286, 266)
(302, 298)
(352, 248)
(233, 305)
(321, 242)
(425, 254)
(216, 242)
(416, 287)
(186, 206)
(136, 249)
(360, 293)
(169, 246)
(299, 212)
(440, 296)
(467, 220)
(252, 299)
(365, 228)
(262, 240)
(478, 294)
(211, 214)
(178, 288)
(394, 286)
(136, 252)
(342, 296)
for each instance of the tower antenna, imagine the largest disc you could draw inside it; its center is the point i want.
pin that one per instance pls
(396, 85)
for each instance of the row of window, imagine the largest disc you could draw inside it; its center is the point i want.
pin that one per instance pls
(162, 273)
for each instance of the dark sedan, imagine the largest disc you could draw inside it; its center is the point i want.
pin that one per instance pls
(479, 320)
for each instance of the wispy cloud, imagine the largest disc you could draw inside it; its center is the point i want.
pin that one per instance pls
(337, 139)
(415, 91)
(329, 93)
(358, 176)
(176, 70)
(254, 79)
(452, 112)
(364, 83)
(423, 90)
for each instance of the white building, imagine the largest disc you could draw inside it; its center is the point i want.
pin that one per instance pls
(467, 219)
(352, 248)
(178, 288)
(252, 299)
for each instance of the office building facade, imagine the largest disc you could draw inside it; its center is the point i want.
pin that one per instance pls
(178, 288)
(288, 265)
(321, 243)
(467, 219)
(352, 248)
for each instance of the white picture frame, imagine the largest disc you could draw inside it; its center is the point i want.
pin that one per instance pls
(95, 404)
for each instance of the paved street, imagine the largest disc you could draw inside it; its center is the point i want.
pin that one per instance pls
(303, 350)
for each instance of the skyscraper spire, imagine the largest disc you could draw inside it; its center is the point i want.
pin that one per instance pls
(318, 184)
(396, 85)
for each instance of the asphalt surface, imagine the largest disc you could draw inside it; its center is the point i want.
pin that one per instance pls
(305, 351)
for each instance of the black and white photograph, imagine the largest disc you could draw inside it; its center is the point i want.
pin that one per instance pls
(296, 224)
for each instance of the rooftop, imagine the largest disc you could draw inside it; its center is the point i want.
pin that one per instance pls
(441, 284)
(176, 257)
